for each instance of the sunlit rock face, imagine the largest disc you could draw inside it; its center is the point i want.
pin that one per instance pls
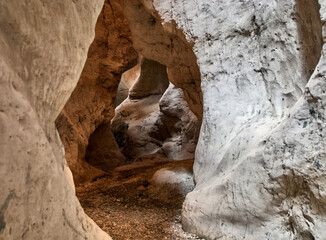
(259, 170)
(43, 48)
(92, 102)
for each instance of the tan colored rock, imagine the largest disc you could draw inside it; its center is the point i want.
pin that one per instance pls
(132, 125)
(101, 151)
(259, 165)
(153, 80)
(128, 78)
(92, 102)
(180, 123)
(43, 46)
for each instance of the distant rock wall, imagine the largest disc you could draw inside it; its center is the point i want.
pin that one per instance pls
(127, 80)
(43, 47)
(92, 102)
(156, 123)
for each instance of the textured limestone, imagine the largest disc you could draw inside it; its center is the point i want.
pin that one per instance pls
(179, 123)
(92, 102)
(42, 52)
(136, 116)
(259, 163)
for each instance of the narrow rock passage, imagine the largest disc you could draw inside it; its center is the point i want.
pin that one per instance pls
(129, 203)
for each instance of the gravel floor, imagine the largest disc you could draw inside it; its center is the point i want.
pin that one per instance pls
(127, 205)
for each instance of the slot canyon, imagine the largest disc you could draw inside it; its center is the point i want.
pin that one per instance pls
(171, 119)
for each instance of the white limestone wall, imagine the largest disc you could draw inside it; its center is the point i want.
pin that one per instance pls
(258, 166)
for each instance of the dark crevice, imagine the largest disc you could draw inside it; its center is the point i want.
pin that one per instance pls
(310, 33)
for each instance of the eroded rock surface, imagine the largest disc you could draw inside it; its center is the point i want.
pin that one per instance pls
(165, 43)
(92, 102)
(159, 123)
(128, 78)
(259, 152)
(153, 80)
(259, 167)
(43, 47)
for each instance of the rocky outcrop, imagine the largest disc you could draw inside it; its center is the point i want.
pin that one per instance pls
(157, 123)
(178, 125)
(92, 102)
(43, 47)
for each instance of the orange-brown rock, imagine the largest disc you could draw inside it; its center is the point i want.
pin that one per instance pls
(92, 102)
(153, 80)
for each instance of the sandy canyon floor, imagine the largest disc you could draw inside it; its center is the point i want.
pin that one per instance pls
(133, 203)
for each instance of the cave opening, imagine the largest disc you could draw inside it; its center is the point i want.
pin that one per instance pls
(151, 117)
(131, 126)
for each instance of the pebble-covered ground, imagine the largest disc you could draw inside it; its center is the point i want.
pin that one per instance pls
(127, 205)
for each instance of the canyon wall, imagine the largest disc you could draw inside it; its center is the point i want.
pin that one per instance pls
(43, 48)
(259, 165)
(156, 124)
(83, 124)
(91, 104)
(252, 71)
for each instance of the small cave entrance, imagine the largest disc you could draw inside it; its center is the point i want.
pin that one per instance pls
(131, 126)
